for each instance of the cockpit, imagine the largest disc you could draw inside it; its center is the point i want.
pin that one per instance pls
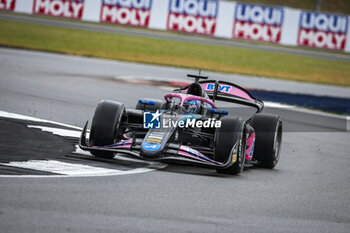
(188, 104)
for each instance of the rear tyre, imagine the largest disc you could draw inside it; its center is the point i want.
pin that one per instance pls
(230, 139)
(105, 126)
(268, 130)
(150, 108)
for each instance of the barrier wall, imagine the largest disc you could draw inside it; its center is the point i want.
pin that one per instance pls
(281, 25)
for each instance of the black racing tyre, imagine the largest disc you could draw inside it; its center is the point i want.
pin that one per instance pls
(229, 139)
(105, 126)
(268, 141)
(150, 108)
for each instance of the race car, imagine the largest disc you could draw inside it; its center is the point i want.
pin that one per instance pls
(187, 127)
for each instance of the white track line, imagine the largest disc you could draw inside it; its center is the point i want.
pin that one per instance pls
(57, 131)
(62, 168)
(29, 118)
(69, 169)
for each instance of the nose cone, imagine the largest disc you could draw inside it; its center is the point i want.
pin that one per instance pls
(150, 150)
(153, 143)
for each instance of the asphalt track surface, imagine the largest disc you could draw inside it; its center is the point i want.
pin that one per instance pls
(307, 192)
(168, 36)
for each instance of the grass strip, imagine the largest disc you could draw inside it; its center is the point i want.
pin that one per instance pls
(174, 53)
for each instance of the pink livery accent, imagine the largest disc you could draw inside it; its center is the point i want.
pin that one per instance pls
(189, 152)
(185, 97)
(126, 137)
(224, 88)
(185, 154)
(250, 145)
(121, 144)
(227, 89)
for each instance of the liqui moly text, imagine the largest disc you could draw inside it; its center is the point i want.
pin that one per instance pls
(127, 12)
(261, 23)
(322, 30)
(193, 16)
(62, 8)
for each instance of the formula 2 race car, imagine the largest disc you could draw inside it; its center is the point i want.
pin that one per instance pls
(188, 128)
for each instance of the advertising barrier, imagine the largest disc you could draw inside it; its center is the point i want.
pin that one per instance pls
(282, 25)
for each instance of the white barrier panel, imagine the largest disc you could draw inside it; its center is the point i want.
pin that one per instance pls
(159, 14)
(224, 23)
(347, 47)
(290, 27)
(92, 10)
(24, 6)
(280, 25)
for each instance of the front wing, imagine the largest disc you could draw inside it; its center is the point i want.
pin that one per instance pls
(173, 153)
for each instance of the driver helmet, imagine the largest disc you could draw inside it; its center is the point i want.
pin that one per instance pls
(192, 106)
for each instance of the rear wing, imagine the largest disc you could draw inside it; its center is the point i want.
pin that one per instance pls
(229, 92)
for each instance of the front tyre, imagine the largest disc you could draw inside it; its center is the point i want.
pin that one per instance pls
(230, 139)
(105, 126)
(268, 141)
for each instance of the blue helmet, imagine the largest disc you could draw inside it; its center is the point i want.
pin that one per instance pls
(192, 106)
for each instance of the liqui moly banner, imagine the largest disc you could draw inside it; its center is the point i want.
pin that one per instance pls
(322, 30)
(193, 16)
(61, 8)
(255, 22)
(128, 12)
(283, 25)
(8, 5)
